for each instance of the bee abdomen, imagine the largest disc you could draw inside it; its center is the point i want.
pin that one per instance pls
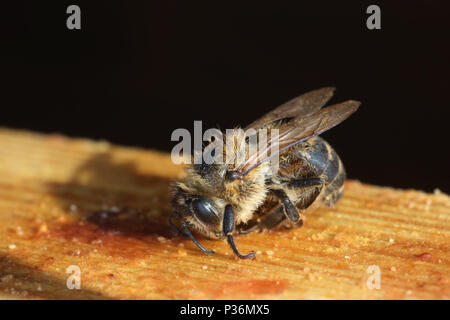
(318, 160)
(333, 176)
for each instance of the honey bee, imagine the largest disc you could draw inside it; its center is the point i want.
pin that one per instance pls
(215, 198)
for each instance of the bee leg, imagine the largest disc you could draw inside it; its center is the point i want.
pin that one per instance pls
(278, 215)
(273, 219)
(304, 183)
(312, 185)
(289, 209)
(228, 227)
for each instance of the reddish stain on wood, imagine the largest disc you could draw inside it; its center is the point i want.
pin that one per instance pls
(424, 256)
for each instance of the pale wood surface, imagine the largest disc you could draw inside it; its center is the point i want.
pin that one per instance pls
(53, 190)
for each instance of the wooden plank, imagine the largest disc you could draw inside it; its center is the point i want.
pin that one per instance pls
(104, 208)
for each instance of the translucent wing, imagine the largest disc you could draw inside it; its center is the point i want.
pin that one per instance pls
(302, 105)
(304, 126)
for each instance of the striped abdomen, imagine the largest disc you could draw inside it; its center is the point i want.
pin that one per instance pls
(322, 161)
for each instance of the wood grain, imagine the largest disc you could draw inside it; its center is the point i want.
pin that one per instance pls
(104, 209)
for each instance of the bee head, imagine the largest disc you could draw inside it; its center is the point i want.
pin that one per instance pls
(198, 211)
(208, 215)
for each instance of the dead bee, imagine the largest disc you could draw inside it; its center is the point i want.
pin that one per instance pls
(214, 198)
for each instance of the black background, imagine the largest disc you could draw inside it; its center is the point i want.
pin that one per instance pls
(138, 70)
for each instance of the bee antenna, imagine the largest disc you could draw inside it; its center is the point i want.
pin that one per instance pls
(193, 239)
(174, 227)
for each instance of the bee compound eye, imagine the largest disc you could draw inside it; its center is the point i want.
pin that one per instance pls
(205, 211)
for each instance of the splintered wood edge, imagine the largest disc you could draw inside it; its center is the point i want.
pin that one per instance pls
(104, 208)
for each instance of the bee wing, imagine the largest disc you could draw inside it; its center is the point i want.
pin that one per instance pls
(299, 129)
(302, 105)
